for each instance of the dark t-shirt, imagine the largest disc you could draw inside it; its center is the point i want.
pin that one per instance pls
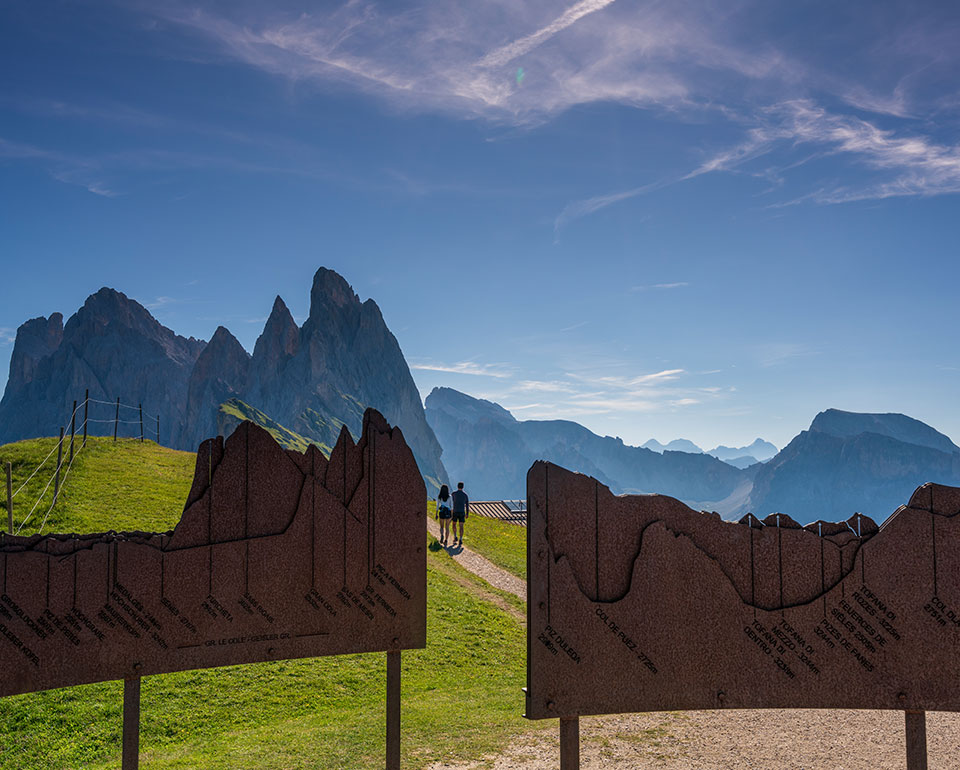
(461, 503)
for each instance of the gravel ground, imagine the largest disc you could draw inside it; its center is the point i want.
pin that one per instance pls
(736, 740)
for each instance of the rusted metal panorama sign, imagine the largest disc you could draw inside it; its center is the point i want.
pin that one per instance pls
(642, 604)
(277, 555)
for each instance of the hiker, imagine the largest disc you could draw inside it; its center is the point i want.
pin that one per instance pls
(443, 512)
(461, 509)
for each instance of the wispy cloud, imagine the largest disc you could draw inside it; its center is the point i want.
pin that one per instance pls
(162, 302)
(654, 286)
(7, 335)
(711, 61)
(517, 48)
(465, 367)
(779, 353)
(894, 163)
(545, 386)
(462, 57)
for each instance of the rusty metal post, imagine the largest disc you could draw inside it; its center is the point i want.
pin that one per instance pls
(569, 743)
(9, 498)
(393, 710)
(73, 427)
(86, 404)
(916, 724)
(56, 482)
(131, 723)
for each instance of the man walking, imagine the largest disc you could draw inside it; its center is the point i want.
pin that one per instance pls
(461, 509)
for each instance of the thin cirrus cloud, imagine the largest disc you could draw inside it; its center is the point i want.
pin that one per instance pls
(462, 57)
(888, 163)
(464, 367)
(654, 286)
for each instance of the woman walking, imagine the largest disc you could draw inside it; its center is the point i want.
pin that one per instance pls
(444, 513)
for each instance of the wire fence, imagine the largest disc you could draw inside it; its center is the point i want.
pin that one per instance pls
(72, 441)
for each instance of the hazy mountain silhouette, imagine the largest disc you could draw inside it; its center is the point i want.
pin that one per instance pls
(758, 451)
(677, 445)
(490, 450)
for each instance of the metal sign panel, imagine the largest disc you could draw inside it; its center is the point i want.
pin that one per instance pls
(639, 603)
(277, 555)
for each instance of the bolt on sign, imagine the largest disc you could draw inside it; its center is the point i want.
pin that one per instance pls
(277, 555)
(638, 603)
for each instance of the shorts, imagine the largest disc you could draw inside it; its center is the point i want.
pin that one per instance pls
(461, 517)
(444, 513)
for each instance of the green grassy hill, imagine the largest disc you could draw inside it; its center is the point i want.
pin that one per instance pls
(461, 695)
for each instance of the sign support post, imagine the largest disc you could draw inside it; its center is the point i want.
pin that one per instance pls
(916, 725)
(393, 710)
(569, 743)
(131, 723)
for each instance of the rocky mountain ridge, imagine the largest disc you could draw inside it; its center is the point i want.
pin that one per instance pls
(312, 379)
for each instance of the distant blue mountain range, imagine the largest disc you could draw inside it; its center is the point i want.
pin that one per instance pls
(845, 462)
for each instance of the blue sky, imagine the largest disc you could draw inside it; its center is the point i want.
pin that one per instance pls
(660, 219)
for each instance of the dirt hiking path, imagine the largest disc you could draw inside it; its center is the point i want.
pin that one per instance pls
(484, 568)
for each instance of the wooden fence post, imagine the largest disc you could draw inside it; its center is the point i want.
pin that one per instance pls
(56, 483)
(9, 499)
(141, 423)
(73, 426)
(158, 430)
(86, 403)
(116, 420)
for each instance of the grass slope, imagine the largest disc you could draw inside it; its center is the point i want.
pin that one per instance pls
(234, 411)
(120, 486)
(461, 695)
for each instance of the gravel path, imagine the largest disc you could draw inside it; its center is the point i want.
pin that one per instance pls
(475, 563)
(735, 740)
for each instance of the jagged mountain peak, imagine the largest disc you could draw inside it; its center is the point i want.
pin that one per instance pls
(280, 336)
(330, 291)
(224, 340)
